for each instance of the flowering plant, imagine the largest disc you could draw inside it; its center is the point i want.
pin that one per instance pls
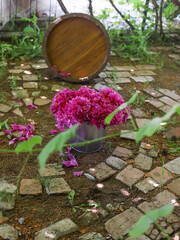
(72, 107)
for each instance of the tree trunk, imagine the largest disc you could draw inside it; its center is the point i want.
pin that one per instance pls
(122, 16)
(90, 8)
(61, 4)
(156, 7)
(145, 14)
(160, 18)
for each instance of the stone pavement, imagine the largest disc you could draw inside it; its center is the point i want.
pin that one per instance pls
(141, 174)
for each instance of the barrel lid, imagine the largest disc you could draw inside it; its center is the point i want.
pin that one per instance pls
(76, 47)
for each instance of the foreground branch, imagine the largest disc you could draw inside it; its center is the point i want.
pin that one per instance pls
(90, 8)
(61, 4)
(122, 16)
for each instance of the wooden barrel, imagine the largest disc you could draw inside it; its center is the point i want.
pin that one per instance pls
(76, 47)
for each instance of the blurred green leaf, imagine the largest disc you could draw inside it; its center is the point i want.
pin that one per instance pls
(145, 221)
(28, 145)
(152, 126)
(56, 145)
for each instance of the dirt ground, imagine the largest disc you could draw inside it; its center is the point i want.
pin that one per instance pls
(43, 210)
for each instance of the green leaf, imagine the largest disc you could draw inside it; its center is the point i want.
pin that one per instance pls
(28, 145)
(29, 30)
(56, 144)
(152, 126)
(145, 221)
(123, 106)
(141, 226)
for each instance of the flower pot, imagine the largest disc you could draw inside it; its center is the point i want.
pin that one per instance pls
(88, 132)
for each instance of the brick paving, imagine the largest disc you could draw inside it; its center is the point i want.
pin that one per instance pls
(139, 175)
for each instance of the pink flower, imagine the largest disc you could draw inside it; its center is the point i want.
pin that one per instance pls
(72, 161)
(53, 132)
(25, 132)
(20, 104)
(72, 107)
(77, 174)
(32, 106)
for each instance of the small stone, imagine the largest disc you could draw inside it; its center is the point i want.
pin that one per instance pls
(175, 226)
(21, 220)
(87, 218)
(4, 108)
(175, 186)
(130, 175)
(138, 113)
(164, 198)
(125, 68)
(58, 229)
(15, 71)
(115, 162)
(36, 94)
(28, 101)
(102, 75)
(143, 79)
(141, 122)
(92, 236)
(144, 73)
(153, 153)
(108, 80)
(123, 80)
(51, 170)
(7, 187)
(41, 101)
(123, 74)
(30, 85)
(165, 108)
(163, 224)
(155, 232)
(18, 112)
(155, 103)
(122, 152)
(146, 185)
(174, 56)
(169, 93)
(146, 67)
(102, 171)
(143, 162)
(152, 92)
(8, 232)
(172, 218)
(121, 224)
(30, 77)
(30, 187)
(20, 93)
(173, 166)
(103, 212)
(41, 61)
(40, 66)
(169, 230)
(99, 85)
(157, 175)
(141, 237)
(168, 101)
(128, 135)
(58, 186)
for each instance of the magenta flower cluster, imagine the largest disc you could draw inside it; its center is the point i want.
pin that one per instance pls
(25, 132)
(72, 107)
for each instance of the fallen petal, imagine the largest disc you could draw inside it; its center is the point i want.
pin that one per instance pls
(77, 174)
